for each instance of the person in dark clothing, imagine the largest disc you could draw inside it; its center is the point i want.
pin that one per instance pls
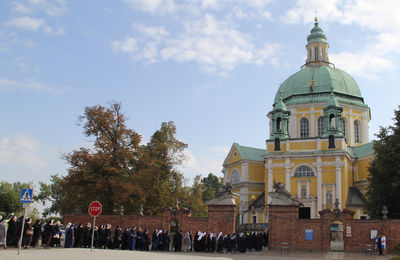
(220, 243)
(117, 238)
(96, 237)
(177, 241)
(125, 239)
(12, 239)
(154, 240)
(87, 235)
(69, 236)
(47, 235)
(146, 240)
(132, 238)
(196, 242)
(28, 233)
(78, 236)
(107, 237)
(37, 233)
(228, 243)
(166, 240)
(139, 239)
(242, 245)
(18, 228)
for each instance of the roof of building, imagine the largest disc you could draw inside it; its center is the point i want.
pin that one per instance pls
(317, 34)
(250, 153)
(316, 80)
(355, 198)
(362, 150)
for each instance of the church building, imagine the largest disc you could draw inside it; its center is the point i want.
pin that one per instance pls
(317, 145)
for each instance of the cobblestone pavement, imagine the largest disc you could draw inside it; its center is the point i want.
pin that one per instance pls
(75, 254)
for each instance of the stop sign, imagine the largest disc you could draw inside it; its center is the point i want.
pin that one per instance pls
(95, 208)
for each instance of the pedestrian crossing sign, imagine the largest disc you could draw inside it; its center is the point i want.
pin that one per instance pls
(26, 196)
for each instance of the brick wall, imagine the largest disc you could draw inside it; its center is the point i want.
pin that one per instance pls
(220, 218)
(285, 226)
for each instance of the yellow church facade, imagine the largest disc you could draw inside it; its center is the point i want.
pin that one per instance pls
(317, 145)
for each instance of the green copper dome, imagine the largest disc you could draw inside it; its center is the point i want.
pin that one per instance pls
(315, 84)
(317, 34)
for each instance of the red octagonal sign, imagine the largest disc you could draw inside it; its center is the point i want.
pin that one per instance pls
(95, 208)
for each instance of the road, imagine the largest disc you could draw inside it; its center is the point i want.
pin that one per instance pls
(98, 254)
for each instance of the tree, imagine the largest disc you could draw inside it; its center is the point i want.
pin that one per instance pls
(384, 179)
(210, 186)
(158, 182)
(195, 202)
(102, 172)
(10, 195)
(51, 194)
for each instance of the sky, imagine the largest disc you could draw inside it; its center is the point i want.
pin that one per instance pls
(211, 66)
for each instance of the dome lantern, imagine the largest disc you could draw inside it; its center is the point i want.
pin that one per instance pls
(317, 46)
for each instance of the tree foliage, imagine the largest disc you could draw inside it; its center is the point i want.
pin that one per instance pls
(210, 186)
(10, 195)
(117, 170)
(384, 180)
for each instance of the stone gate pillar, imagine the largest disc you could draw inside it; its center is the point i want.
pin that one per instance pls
(221, 214)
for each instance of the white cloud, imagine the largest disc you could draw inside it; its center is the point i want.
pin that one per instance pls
(6, 84)
(8, 39)
(216, 45)
(152, 5)
(209, 162)
(50, 7)
(33, 24)
(127, 45)
(27, 23)
(20, 150)
(21, 8)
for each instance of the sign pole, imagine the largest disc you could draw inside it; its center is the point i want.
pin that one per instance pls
(22, 230)
(94, 225)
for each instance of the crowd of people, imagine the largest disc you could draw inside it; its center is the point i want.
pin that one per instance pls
(131, 238)
(136, 238)
(11, 228)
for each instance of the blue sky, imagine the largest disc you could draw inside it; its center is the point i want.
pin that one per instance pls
(212, 66)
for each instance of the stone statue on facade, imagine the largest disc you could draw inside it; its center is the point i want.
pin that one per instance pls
(280, 188)
(227, 188)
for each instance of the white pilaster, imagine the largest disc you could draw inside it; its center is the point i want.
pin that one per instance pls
(287, 174)
(245, 172)
(270, 172)
(308, 188)
(312, 123)
(313, 213)
(298, 189)
(324, 191)
(333, 194)
(365, 131)
(319, 183)
(338, 181)
(351, 128)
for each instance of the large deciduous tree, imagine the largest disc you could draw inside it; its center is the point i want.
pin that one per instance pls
(158, 182)
(102, 172)
(384, 180)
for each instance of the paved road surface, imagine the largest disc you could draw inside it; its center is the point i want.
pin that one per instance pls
(75, 254)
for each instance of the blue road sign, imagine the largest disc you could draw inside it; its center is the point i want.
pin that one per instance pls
(26, 196)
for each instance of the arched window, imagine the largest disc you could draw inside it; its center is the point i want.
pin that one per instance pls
(309, 54)
(304, 171)
(344, 128)
(277, 144)
(316, 54)
(321, 125)
(323, 53)
(235, 177)
(331, 141)
(278, 124)
(304, 128)
(357, 131)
